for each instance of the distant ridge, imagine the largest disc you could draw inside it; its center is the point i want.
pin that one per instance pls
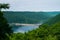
(28, 17)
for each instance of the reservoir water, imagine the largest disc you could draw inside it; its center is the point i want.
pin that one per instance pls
(24, 28)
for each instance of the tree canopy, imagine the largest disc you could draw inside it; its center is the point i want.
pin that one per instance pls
(4, 26)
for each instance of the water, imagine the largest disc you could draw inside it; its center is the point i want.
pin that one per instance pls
(24, 28)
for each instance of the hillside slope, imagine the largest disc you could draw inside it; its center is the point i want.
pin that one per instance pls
(54, 20)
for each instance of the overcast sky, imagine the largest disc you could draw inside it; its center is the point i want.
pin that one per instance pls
(33, 5)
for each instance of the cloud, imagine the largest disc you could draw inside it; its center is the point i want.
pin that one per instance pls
(32, 5)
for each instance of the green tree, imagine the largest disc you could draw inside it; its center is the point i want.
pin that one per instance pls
(4, 26)
(50, 37)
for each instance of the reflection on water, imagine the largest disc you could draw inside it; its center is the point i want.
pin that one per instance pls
(23, 29)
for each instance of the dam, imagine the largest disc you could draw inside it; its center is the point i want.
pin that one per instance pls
(23, 24)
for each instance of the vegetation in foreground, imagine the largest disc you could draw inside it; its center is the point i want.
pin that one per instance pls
(4, 26)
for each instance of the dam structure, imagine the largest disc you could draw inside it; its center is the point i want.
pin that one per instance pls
(18, 24)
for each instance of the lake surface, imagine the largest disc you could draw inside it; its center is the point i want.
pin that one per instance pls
(24, 28)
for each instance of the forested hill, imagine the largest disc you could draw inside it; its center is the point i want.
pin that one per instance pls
(54, 20)
(28, 17)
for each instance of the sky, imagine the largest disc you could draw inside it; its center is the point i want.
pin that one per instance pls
(33, 5)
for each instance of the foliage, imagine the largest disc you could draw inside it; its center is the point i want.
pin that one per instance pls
(50, 37)
(4, 26)
(4, 6)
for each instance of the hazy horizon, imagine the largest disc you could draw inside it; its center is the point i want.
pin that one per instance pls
(32, 11)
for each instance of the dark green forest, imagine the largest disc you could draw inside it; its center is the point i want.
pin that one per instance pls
(28, 17)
